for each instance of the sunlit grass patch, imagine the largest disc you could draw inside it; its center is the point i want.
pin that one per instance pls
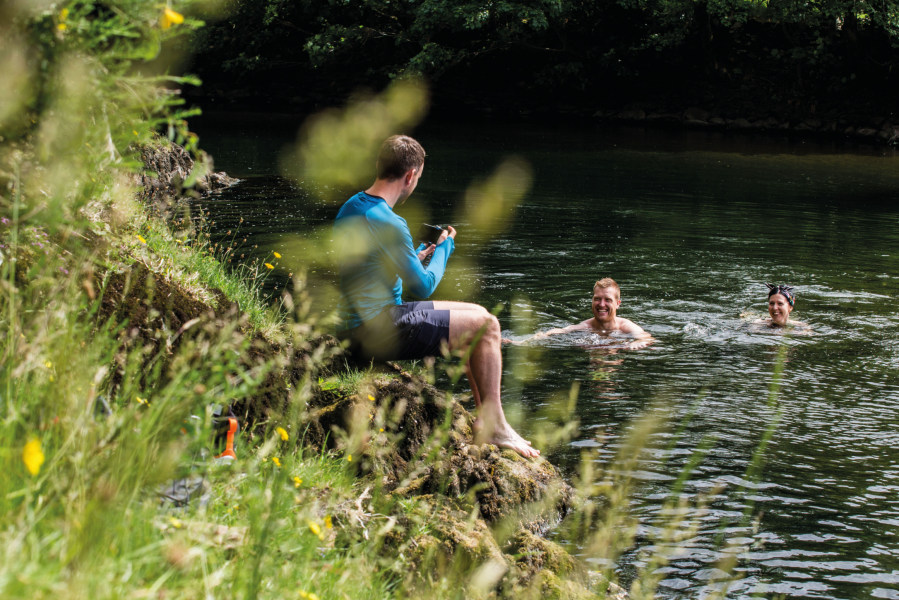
(200, 267)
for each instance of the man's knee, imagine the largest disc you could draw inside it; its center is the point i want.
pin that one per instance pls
(491, 326)
(482, 312)
(469, 307)
(467, 323)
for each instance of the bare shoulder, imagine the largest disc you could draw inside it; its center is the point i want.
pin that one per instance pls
(628, 326)
(800, 328)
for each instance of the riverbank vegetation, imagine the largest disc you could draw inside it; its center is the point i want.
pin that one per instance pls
(125, 333)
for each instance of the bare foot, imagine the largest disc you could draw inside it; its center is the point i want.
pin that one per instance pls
(476, 427)
(504, 437)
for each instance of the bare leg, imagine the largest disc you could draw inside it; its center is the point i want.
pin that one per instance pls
(486, 370)
(474, 385)
(448, 305)
(478, 423)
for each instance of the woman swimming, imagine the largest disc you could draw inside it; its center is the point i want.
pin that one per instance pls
(780, 304)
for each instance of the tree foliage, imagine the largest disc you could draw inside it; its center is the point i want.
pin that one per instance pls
(103, 62)
(559, 41)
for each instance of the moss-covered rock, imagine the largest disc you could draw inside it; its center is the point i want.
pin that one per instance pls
(426, 447)
(169, 169)
(534, 553)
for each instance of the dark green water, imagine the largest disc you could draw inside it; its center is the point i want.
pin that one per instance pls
(690, 225)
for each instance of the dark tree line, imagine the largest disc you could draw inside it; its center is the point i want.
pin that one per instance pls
(798, 48)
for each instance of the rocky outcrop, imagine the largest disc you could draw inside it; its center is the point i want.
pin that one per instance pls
(425, 445)
(169, 171)
(486, 509)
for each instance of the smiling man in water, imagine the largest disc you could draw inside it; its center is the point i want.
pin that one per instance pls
(376, 258)
(605, 320)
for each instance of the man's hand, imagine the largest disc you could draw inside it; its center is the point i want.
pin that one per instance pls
(448, 232)
(426, 252)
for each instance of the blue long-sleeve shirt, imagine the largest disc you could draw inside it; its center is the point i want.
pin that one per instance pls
(375, 256)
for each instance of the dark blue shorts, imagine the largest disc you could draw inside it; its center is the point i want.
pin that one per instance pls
(408, 331)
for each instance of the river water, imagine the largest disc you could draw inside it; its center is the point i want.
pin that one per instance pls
(691, 225)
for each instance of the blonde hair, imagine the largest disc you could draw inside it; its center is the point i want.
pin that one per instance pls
(608, 282)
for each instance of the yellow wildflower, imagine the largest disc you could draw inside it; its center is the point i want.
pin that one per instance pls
(382, 430)
(175, 522)
(170, 17)
(277, 461)
(269, 266)
(33, 457)
(308, 595)
(64, 14)
(297, 482)
(62, 27)
(314, 528)
(48, 364)
(370, 397)
(328, 523)
(277, 255)
(141, 239)
(141, 400)
(283, 433)
(349, 457)
(134, 131)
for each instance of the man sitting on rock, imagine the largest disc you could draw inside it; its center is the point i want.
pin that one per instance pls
(605, 320)
(376, 257)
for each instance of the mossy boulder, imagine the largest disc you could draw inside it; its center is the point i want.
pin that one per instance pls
(464, 542)
(426, 447)
(534, 554)
(170, 172)
(457, 546)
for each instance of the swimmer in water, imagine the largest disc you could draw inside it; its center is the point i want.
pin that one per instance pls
(780, 304)
(605, 320)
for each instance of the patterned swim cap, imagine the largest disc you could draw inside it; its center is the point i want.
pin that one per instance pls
(784, 290)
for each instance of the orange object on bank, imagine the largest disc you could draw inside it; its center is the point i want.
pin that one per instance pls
(229, 440)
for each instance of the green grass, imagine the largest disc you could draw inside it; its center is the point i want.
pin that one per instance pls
(349, 380)
(198, 266)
